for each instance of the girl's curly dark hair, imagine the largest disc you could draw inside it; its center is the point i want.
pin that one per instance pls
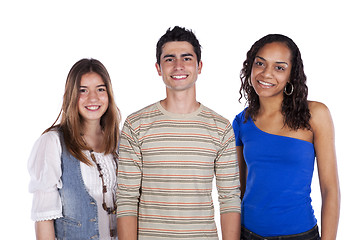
(294, 107)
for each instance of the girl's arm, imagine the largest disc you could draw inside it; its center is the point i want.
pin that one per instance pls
(45, 173)
(324, 143)
(45, 230)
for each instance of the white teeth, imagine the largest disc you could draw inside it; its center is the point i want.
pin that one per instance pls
(265, 83)
(179, 77)
(93, 107)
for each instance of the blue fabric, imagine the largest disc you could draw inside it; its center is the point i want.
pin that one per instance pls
(280, 169)
(80, 220)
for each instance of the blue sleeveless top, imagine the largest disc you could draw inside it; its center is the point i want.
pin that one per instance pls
(280, 169)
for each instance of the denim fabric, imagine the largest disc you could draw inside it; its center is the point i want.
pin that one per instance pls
(80, 220)
(312, 234)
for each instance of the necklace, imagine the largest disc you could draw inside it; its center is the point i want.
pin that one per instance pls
(104, 190)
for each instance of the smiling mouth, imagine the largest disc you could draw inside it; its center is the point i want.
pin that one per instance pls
(92, 108)
(179, 77)
(265, 83)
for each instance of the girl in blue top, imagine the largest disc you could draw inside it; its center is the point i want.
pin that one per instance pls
(278, 136)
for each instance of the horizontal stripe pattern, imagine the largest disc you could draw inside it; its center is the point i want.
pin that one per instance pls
(166, 167)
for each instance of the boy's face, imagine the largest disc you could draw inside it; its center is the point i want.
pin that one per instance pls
(179, 67)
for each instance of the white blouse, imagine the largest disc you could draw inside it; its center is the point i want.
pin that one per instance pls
(45, 171)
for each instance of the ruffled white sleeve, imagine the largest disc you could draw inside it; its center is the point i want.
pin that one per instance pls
(45, 172)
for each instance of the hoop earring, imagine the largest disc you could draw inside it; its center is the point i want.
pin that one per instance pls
(291, 91)
(249, 82)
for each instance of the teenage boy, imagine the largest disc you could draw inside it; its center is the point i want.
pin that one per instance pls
(169, 153)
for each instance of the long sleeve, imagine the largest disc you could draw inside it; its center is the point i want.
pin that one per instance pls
(227, 174)
(129, 172)
(44, 166)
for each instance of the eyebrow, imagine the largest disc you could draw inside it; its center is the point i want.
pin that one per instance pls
(101, 85)
(276, 62)
(187, 55)
(182, 55)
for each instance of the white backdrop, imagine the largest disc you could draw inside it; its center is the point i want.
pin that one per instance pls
(41, 40)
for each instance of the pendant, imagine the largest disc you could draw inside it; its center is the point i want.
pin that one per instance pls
(112, 232)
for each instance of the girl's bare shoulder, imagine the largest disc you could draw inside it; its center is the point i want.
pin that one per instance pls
(320, 114)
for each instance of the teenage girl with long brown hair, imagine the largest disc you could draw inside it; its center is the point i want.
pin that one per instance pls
(73, 164)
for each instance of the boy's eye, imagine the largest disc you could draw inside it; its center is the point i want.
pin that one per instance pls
(168, 60)
(187, 59)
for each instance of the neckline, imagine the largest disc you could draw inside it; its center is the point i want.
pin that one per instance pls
(281, 136)
(179, 115)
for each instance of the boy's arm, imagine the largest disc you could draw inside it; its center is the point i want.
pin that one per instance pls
(128, 183)
(230, 226)
(127, 228)
(228, 185)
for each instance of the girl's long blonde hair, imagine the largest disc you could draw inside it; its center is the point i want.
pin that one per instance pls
(71, 122)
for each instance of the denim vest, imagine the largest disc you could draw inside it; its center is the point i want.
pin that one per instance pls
(79, 209)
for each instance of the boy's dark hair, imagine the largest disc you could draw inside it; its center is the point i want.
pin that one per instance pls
(178, 34)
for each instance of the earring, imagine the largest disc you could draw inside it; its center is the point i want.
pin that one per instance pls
(292, 88)
(249, 82)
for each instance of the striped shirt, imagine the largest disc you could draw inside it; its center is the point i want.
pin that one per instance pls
(166, 165)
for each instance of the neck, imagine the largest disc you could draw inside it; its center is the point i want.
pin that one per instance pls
(182, 102)
(91, 128)
(93, 136)
(270, 105)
